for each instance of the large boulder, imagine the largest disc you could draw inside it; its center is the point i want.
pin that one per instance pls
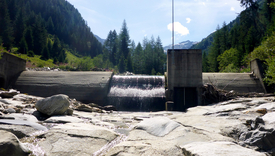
(261, 134)
(10, 145)
(54, 105)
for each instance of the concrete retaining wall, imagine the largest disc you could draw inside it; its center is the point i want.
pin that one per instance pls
(239, 82)
(87, 87)
(10, 68)
(257, 71)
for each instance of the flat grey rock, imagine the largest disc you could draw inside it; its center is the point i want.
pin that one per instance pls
(26, 123)
(10, 145)
(20, 131)
(24, 117)
(269, 118)
(158, 126)
(76, 139)
(217, 149)
(63, 119)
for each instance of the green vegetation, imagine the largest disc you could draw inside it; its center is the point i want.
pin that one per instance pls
(53, 33)
(250, 36)
(47, 28)
(121, 53)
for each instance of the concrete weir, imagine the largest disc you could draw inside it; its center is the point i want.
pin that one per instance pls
(83, 86)
(239, 82)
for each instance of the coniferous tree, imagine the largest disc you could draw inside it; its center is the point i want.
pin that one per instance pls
(138, 59)
(129, 63)
(204, 62)
(56, 49)
(19, 26)
(23, 46)
(121, 64)
(45, 54)
(124, 40)
(40, 35)
(29, 38)
(215, 51)
(6, 30)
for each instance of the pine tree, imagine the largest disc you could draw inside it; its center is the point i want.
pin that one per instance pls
(121, 64)
(124, 40)
(6, 30)
(19, 26)
(40, 35)
(56, 47)
(138, 59)
(23, 46)
(215, 51)
(204, 62)
(129, 63)
(29, 38)
(50, 25)
(45, 54)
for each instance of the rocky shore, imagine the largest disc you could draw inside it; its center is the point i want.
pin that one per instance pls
(59, 125)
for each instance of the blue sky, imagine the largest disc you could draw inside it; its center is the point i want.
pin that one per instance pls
(194, 19)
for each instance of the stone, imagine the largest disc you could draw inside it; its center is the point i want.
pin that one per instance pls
(76, 139)
(261, 134)
(24, 117)
(87, 108)
(54, 105)
(11, 146)
(110, 108)
(262, 111)
(8, 94)
(9, 110)
(217, 149)
(20, 131)
(25, 123)
(69, 111)
(158, 126)
(63, 119)
(269, 118)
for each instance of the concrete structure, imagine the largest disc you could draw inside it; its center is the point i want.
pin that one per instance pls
(10, 68)
(239, 82)
(87, 87)
(257, 71)
(184, 78)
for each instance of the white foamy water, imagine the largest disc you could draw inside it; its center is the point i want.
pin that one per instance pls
(137, 86)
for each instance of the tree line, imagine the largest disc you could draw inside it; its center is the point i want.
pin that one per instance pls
(229, 48)
(122, 53)
(47, 28)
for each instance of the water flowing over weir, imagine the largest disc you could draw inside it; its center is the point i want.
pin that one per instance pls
(137, 93)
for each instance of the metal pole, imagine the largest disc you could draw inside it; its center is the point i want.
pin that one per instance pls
(173, 57)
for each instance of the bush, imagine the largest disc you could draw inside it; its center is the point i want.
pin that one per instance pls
(30, 53)
(231, 68)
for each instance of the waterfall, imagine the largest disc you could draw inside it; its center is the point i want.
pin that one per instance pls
(137, 93)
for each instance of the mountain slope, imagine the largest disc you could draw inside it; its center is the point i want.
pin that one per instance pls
(46, 27)
(182, 45)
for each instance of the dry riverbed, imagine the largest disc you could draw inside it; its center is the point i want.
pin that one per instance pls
(239, 127)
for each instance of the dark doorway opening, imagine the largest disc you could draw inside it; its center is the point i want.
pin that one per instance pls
(184, 98)
(2, 82)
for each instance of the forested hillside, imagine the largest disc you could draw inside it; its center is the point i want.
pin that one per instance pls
(229, 48)
(47, 28)
(50, 29)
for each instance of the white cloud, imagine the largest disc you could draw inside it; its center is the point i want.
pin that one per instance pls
(179, 28)
(188, 20)
(232, 9)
